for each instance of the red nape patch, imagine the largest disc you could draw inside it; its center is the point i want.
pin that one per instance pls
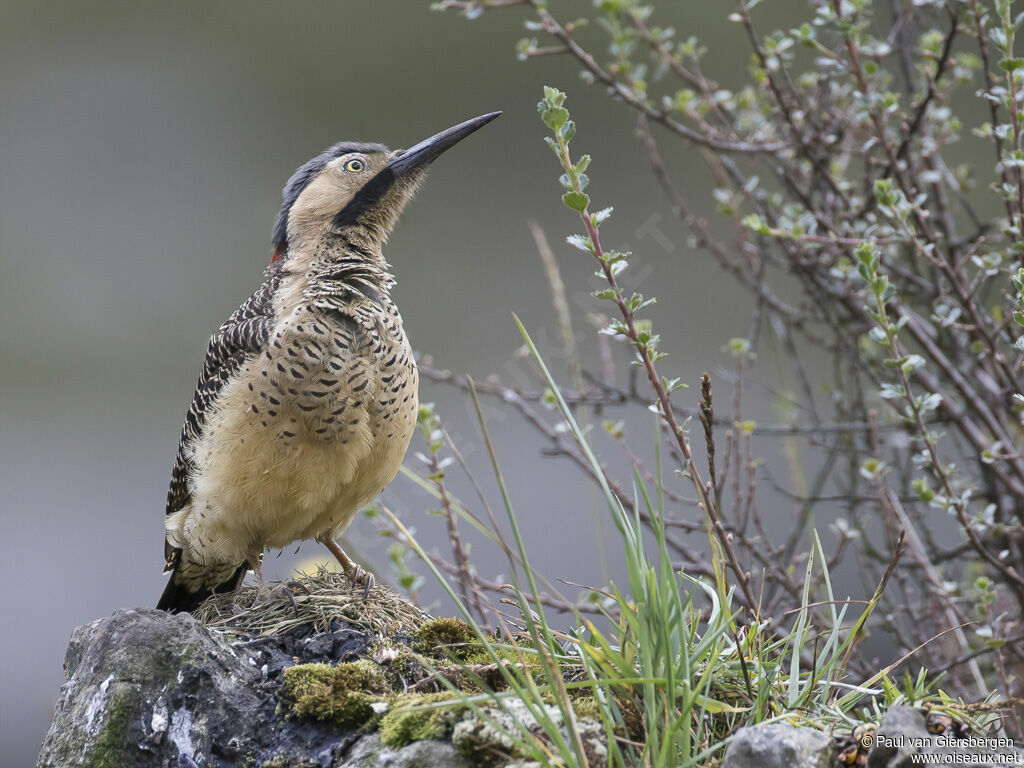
(275, 257)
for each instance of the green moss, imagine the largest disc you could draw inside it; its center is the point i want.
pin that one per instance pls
(507, 653)
(445, 638)
(404, 723)
(109, 745)
(507, 650)
(481, 656)
(342, 694)
(587, 706)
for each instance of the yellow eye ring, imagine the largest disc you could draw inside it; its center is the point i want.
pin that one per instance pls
(355, 165)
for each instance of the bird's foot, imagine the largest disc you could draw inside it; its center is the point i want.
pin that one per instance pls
(284, 590)
(256, 563)
(360, 577)
(296, 586)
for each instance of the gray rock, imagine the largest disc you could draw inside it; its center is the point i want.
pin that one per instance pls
(148, 689)
(475, 735)
(779, 745)
(368, 752)
(902, 734)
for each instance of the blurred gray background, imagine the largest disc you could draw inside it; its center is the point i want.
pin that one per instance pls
(143, 147)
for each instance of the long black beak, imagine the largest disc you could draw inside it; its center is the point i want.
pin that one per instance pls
(427, 150)
(405, 161)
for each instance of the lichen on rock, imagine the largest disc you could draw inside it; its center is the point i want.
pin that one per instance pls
(480, 737)
(112, 729)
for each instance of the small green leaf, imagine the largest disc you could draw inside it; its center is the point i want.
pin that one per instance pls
(883, 193)
(577, 201)
(553, 96)
(757, 224)
(554, 117)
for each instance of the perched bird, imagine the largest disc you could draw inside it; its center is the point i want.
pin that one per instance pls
(308, 396)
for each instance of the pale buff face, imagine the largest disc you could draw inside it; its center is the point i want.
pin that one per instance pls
(311, 218)
(315, 208)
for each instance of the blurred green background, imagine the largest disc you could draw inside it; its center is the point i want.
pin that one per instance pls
(143, 147)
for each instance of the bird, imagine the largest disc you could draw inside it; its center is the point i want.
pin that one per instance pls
(308, 396)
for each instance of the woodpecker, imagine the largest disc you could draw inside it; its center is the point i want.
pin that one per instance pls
(308, 395)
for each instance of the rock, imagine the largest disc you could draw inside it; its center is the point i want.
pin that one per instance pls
(146, 688)
(779, 745)
(903, 734)
(475, 735)
(369, 752)
(133, 683)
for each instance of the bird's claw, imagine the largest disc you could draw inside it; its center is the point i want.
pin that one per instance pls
(361, 576)
(355, 572)
(283, 591)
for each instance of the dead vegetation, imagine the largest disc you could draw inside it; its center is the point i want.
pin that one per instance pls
(315, 600)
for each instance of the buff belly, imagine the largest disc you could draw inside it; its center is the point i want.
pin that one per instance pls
(266, 482)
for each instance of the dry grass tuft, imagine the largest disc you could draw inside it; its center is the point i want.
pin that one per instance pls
(319, 599)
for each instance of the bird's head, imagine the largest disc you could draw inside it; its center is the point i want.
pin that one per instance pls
(358, 189)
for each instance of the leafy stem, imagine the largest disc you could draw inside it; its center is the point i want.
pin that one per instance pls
(885, 334)
(612, 263)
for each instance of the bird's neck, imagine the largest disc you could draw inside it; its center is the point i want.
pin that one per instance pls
(338, 268)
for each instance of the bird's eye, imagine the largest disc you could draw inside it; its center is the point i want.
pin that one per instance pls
(355, 165)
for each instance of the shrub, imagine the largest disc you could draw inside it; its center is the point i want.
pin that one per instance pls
(861, 239)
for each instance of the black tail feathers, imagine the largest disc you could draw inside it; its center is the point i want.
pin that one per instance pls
(178, 599)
